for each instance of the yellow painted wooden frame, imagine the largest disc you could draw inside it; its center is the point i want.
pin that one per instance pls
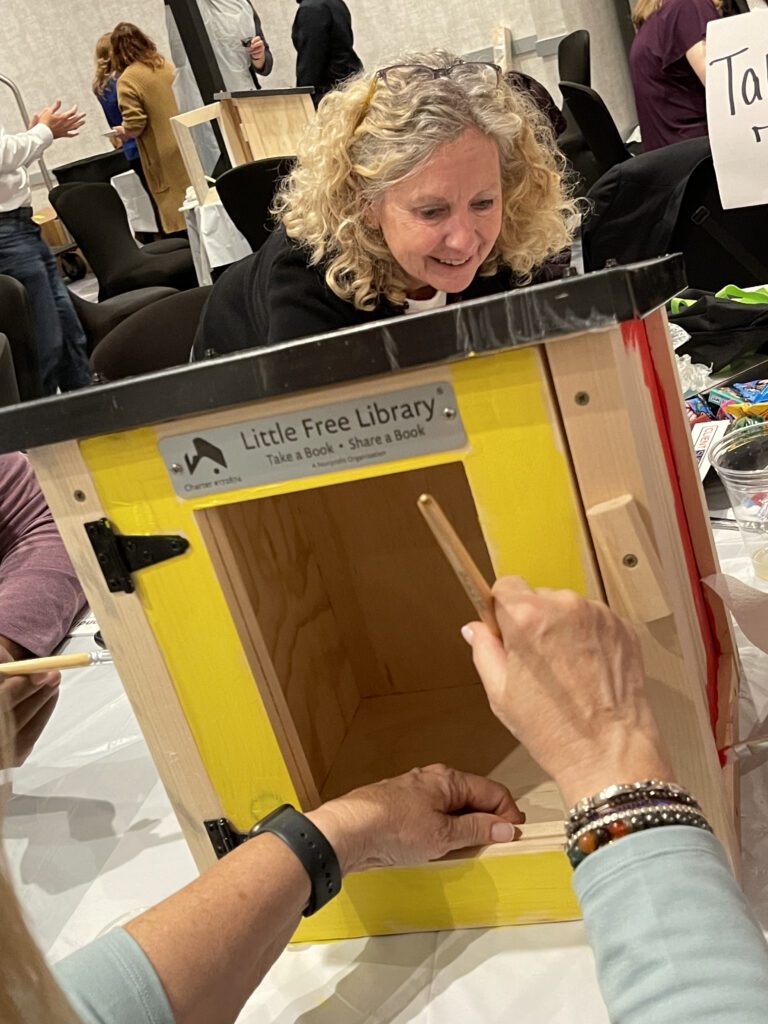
(202, 710)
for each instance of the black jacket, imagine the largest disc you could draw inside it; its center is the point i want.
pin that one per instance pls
(635, 207)
(322, 36)
(274, 295)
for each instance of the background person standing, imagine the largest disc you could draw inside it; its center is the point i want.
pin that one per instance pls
(61, 346)
(147, 103)
(668, 63)
(229, 24)
(325, 54)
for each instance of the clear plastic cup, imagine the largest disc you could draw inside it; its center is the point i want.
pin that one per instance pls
(741, 461)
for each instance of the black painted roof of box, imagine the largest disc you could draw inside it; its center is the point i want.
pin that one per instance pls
(514, 319)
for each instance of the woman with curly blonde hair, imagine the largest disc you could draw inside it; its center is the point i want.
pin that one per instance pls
(425, 183)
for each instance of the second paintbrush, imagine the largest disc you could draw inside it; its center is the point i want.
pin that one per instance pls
(55, 663)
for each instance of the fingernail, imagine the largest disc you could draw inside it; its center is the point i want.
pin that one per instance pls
(503, 832)
(468, 633)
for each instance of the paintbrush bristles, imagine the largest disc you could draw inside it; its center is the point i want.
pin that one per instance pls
(460, 560)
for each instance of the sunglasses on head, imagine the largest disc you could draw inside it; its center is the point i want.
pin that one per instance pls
(405, 74)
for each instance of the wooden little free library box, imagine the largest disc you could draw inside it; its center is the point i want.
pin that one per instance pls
(285, 625)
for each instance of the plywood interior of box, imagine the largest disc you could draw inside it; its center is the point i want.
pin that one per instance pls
(353, 617)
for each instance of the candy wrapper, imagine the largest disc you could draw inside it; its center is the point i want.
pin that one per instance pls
(718, 397)
(755, 412)
(753, 391)
(698, 410)
(745, 421)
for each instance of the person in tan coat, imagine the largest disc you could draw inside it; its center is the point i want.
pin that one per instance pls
(147, 103)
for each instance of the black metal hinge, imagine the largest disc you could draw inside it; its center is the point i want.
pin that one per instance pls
(120, 555)
(223, 835)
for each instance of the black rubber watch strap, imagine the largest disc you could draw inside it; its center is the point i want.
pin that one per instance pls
(311, 847)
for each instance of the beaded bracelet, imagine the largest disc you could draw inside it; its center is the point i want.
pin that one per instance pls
(635, 811)
(627, 789)
(628, 802)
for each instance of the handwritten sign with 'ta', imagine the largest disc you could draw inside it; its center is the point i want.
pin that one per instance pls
(737, 107)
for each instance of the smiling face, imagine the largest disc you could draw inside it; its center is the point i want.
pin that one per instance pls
(441, 223)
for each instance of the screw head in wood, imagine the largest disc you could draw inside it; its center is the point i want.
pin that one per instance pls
(630, 561)
(581, 398)
(79, 495)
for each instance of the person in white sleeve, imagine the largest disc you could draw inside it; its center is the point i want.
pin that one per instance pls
(62, 352)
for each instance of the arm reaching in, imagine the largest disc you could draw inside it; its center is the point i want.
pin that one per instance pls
(39, 597)
(252, 900)
(671, 933)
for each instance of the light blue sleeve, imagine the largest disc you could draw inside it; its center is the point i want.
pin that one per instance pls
(111, 981)
(673, 938)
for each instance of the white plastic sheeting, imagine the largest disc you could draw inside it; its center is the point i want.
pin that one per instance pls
(92, 841)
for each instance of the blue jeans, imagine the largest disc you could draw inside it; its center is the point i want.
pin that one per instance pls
(62, 352)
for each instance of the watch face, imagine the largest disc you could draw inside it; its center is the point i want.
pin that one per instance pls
(278, 812)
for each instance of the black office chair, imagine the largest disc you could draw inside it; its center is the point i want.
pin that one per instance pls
(247, 192)
(102, 167)
(573, 60)
(172, 244)
(152, 339)
(18, 324)
(9, 390)
(100, 318)
(573, 64)
(96, 219)
(596, 125)
(668, 201)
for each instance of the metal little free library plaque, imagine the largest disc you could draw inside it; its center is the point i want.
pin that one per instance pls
(322, 439)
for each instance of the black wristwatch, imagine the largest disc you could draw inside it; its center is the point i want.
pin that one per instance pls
(311, 847)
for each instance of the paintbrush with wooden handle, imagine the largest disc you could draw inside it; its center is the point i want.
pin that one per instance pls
(460, 560)
(55, 663)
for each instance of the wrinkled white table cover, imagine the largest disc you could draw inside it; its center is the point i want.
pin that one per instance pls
(92, 841)
(213, 237)
(141, 216)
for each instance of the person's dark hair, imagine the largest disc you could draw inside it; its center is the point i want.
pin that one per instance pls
(130, 46)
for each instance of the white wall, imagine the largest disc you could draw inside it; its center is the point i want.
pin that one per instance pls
(47, 45)
(387, 27)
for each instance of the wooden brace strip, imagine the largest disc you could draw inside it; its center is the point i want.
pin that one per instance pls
(629, 556)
